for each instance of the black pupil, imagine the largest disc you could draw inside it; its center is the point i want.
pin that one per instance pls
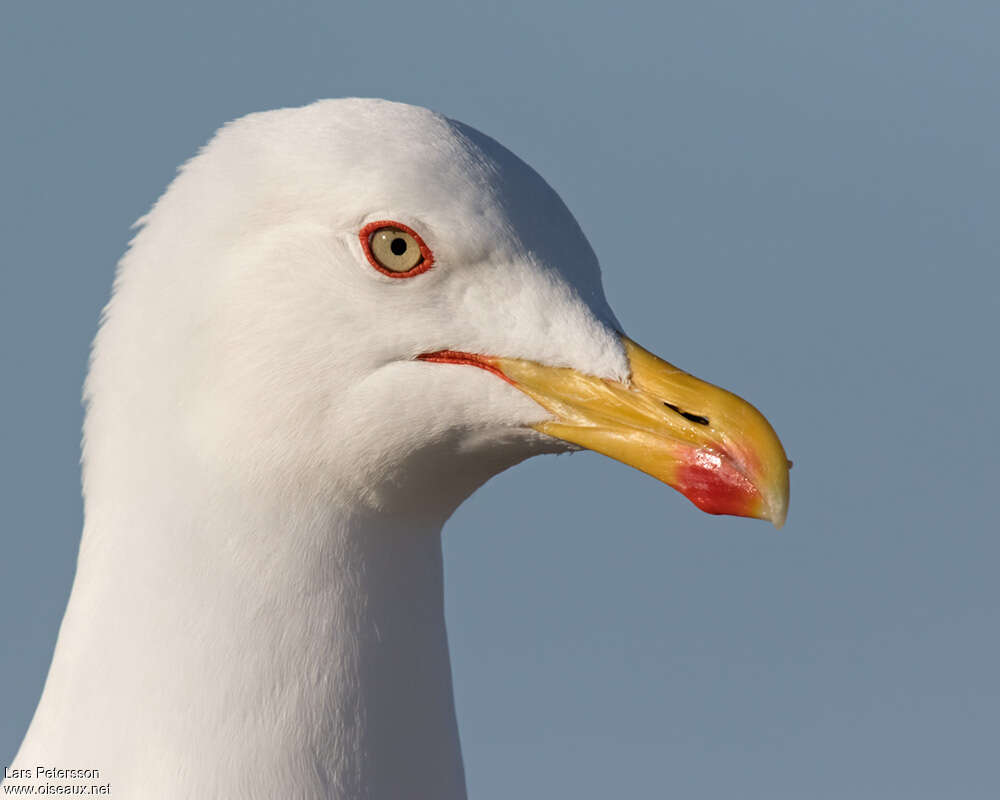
(398, 246)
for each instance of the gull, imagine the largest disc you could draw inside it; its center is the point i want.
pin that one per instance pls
(336, 324)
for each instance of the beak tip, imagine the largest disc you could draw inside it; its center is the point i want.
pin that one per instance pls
(777, 508)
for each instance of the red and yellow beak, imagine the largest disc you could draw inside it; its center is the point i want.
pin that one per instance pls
(712, 446)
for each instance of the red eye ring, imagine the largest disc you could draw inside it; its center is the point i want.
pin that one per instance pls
(365, 235)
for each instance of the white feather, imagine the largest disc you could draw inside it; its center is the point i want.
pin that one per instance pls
(257, 610)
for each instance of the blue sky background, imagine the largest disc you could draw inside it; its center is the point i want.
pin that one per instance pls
(796, 200)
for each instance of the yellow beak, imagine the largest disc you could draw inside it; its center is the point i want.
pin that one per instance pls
(709, 444)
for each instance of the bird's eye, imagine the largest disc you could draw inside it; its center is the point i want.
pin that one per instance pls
(395, 249)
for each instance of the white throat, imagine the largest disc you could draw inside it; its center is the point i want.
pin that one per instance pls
(229, 647)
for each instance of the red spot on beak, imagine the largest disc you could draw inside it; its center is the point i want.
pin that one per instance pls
(713, 483)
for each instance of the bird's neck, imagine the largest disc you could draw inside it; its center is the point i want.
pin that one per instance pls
(232, 647)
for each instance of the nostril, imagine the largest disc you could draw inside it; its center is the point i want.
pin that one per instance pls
(696, 418)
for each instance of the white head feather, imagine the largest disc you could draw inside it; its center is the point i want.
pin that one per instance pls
(248, 328)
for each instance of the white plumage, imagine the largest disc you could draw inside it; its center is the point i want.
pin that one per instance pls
(258, 609)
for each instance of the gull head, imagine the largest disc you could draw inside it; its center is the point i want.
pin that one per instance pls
(370, 302)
